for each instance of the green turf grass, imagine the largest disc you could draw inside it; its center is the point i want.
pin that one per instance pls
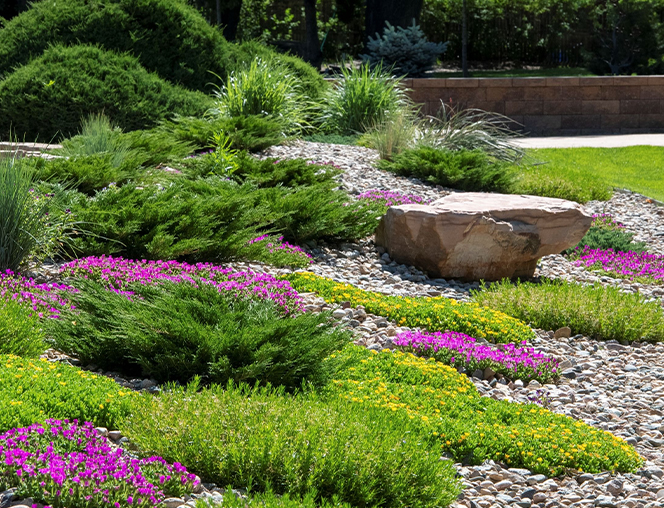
(637, 168)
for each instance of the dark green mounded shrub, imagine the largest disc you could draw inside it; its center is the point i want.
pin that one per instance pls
(365, 456)
(175, 331)
(49, 96)
(33, 390)
(212, 219)
(168, 37)
(469, 170)
(252, 133)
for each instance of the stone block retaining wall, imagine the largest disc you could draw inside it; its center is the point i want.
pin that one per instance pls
(555, 106)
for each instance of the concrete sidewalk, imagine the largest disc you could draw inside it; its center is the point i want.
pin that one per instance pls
(616, 141)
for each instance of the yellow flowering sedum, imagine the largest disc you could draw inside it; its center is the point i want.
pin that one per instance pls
(446, 405)
(433, 314)
(33, 390)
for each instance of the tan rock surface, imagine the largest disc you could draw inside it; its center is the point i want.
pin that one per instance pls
(473, 236)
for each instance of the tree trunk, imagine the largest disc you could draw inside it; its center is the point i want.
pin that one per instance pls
(230, 19)
(396, 12)
(312, 52)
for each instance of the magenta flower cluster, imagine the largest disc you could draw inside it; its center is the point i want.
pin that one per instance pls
(623, 264)
(47, 300)
(63, 463)
(277, 244)
(462, 351)
(606, 221)
(389, 198)
(118, 272)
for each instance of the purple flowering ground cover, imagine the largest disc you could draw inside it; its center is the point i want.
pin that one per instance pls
(390, 198)
(120, 272)
(462, 351)
(64, 464)
(633, 265)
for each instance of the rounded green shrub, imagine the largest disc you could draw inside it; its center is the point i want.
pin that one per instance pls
(49, 96)
(167, 36)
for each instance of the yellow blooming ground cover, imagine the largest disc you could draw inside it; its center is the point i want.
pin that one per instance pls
(433, 314)
(446, 405)
(33, 390)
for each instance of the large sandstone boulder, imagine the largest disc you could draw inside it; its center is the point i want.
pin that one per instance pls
(473, 236)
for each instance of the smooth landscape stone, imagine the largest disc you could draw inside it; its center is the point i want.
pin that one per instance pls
(481, 236)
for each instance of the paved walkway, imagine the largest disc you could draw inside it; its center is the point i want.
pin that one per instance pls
(592, 141)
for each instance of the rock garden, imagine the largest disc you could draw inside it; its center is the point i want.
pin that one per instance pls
(281, 292)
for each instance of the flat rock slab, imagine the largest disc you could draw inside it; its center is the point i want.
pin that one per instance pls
(481, 236)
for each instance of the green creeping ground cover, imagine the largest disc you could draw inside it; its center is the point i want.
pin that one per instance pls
(469, 427)
(20, 329)
(32, 391)
(602, 312)
(432, 314)
(364, 456)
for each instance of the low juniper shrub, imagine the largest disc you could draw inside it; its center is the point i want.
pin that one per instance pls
(462, 169)
(174, 331)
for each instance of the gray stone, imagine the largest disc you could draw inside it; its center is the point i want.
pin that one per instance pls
(605, 502)
(475, 236)
(563, 332)
(172, 502)
(115, 435)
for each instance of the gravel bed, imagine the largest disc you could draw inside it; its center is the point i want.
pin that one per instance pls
(614, 387)
(608, 385)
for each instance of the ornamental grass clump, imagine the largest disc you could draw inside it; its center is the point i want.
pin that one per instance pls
(264, 88)
(464, 352)
(64, 463)
(432, 314)
(361, 99)
(601, 312)
(34, 390)
(446, 406)
(242, 436)
(21, 212)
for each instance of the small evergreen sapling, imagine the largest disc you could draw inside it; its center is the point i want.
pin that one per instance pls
(405, 49)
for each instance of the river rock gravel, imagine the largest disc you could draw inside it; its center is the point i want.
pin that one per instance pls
(611, 386)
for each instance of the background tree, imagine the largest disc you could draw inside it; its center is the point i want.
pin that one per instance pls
(396, 12)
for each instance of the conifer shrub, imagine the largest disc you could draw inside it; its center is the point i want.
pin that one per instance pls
(49, 96)
(405, 50)
(252, 133)
(469, 170)
(173, 331)
(168, 37)
(213, 219)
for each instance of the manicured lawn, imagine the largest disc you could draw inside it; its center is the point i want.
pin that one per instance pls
(637, 168)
